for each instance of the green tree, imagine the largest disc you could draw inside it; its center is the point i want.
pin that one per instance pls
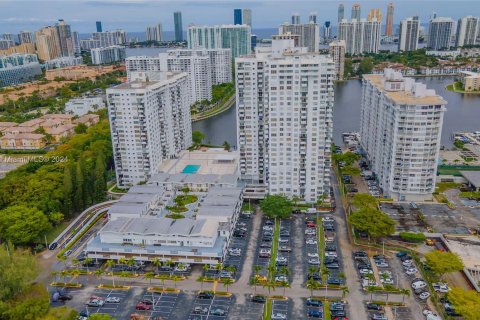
(100, 316)
(276, 206)
(348, 68)
(80, 128)
(443, 262)
(366, 66)
(67, 190)
(466, 302)
(61, 313)
(226, 146)
(197, 137)
(18, 268)
(79, 196)
(31, 305)
(351, 171)
(312, 285)
(100, 184)
(364, 200)
(22, 225)
(372, 221)
(227, 282)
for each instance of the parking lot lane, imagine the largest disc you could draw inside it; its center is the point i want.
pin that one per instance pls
(355, 296)
(297, 244)
(247, 310)
(282, 307)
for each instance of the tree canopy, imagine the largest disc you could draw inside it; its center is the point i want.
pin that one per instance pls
(443, 262)
(348, 158)
(197, 137)
(365, 200)
(276, 206)
(466, 302)
(61, 313)
(372, 221)
(22, 225)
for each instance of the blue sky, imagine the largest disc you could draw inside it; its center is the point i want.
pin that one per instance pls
(135, 15)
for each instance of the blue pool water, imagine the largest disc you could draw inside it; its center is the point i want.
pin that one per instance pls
(191, 168)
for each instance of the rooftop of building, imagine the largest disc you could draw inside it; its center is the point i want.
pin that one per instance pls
(470, 74)
(468, 248)
(406, 96)
(137, 84)
(473, 177)
(207, 161)
(32, 136)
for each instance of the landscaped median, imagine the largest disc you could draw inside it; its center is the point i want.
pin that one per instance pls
(267, 309)
(162, 290)
(273, 257)
(65, 284)
(116, 287)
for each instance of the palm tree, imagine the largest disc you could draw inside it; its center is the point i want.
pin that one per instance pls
(150, 276)
(98, 273)
(295, 200)
(371, 289)
(157, 263)
(75, 262)
(162, 278)
(345, 291)
(109, 264)
(231, 269)
(254, 282)
(87, 261)
(175, 279)
(131, 262)
(227, 282)
(342, 276)
(63, 259)
(405, 292)
(75, 273)
(169, 263)
(284, 270)
(285, 285)
(325, 275)
(271, 271)
(206, 267)
(125, 275)
(55, 274)
(257, 269)
(122, 261)
(312, 284)
(270, 285)
(64, 274)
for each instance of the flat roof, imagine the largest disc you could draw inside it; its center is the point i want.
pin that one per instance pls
(403, 97)
(137, 198)
(473, 177)
(148, 189)
(468, 248)
(125, 208)
(161, 226)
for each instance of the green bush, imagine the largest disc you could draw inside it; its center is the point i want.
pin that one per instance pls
(412, 237)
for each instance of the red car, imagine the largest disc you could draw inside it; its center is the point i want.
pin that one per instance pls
(311, 225)
(142, 306)
(340, 318)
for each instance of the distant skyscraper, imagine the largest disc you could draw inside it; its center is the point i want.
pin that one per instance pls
(237, 16)
(235, 37)
(154, 33)
(76, 43)
(341, 12)
(48, 46)
(389, 22)
(247, 17)
(327, 30)
(440, 33)
(253, 42)
(309, 34)
(356, 12)
(64, 38)
(25, 37)
(467, 31)
(295, 18)
(99, 26)
(312, 17)
(337, 52)
(177, 17)
(360, 36)
(375, 14)
(8, 36)
(408, 34)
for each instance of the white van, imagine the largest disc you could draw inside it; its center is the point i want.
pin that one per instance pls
(311, 210)
(419, 285)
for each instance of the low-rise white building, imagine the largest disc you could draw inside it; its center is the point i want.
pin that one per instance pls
(84, 105)
(107, 55)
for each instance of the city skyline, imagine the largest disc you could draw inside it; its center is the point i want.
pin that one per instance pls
(135, 15)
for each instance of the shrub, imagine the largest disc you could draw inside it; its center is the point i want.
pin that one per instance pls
(412, 237)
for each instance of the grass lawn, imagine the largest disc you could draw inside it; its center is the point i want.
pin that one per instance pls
(267, 311)
(247, 207)
(474, 195)
(273, 257)
(444, 186)
(326, 310)
(455, 170)
(55, 231)
(321, 247)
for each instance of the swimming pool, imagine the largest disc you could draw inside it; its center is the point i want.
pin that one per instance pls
(191, 168)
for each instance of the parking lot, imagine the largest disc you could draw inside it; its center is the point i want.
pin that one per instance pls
(211, 309)
(120, 310)
(163, 304)
(235, 258)
(248, 310)
(281, 307)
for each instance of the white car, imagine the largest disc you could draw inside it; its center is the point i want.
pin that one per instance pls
(367, 283)
(278, 316)
(386, 280)
(281, 279)
(441, 287)
(315, 261)
(382, 264)
(419, 285)
(312, 255)
(327, 219)
(281, 259)
(112, 300)
(311, 241)
(331, 254)
(366, 271)
(267, 228)
(182, 267)
(235, 252)
(310, 231)
(424, 295)
(411, 271)
(407, 263)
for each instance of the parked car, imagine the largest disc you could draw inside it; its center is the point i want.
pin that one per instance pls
(278, 316)
(217, 312)
(205, 295)
(259, 298)
(312, 313)
(112, 300)
(142, 306)
(314, 303)
(374, 306)
(424, 295)
(419, 285)
(200, 310)
(53, 246)
(379, 316)
(284, 249)
(441, 287)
